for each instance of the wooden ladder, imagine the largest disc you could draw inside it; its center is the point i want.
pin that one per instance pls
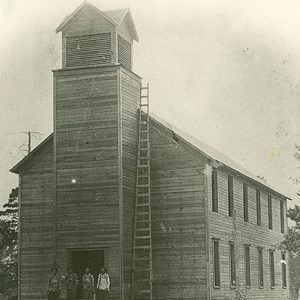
(142, 272)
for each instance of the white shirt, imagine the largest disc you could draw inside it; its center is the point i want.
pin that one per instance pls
(103, 282)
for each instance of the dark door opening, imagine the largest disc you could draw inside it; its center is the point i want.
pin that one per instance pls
(93, 259)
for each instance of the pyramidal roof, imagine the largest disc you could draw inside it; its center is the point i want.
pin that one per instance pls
(116, 17)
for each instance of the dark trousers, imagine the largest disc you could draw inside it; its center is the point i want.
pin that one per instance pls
(102, 295)
(71, 294)
(88, 294)
(53, 296)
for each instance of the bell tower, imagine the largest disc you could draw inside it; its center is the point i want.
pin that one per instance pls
(96, 101)
(92, 37)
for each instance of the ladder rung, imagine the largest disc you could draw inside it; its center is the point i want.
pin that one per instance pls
(142, 247)
(143, 291)
(142, 259)
(143, 104)
(141, 280)
(143, 195)
(143, 213)
(142, 229)
(142, 185)
(144, 96)
(143, 237)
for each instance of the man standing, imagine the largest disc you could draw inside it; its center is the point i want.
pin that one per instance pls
(88, 285)
(54, 286)
(103, 285)
(71, 284)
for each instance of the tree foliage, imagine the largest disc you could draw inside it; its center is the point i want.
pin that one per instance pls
(291, 240)
(9, 243)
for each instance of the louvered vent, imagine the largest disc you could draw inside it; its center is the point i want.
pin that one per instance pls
(88, 50)
(124, 53)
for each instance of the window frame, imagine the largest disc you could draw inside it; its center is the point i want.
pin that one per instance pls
(214, 190)
(283, 271)
(216, 263)
(232, 264)
(270, 212)
(247, 259)
(258, 207)
(272, 268)
(260, 262)
(282, 218)
(230, 195)
(246, 201)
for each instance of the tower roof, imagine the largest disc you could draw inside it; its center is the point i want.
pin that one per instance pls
(115, 17)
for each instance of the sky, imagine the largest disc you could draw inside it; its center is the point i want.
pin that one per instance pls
(226, 72)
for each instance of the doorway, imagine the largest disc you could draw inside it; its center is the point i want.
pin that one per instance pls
(81, 259)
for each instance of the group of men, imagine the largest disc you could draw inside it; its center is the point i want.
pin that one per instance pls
(88, 285)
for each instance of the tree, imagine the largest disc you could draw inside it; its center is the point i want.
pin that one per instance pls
(291, 240)
(9, 243)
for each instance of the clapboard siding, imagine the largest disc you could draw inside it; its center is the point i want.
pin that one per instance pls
(130, 95)
(86, 139)
(36, 236)
(222, 227)
(178, 219)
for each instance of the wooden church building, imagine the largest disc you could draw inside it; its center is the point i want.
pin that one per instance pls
(170, 217)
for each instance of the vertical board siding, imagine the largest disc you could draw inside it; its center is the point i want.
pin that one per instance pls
(178, 219)
(86, 133)
(94, 49)
(223, 227)
(130, 97)
(36, 238)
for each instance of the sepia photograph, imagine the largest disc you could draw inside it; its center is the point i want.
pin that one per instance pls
(150, 150)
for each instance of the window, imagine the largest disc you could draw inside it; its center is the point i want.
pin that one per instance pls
(272, 268)
(232, 264)
(245, 201)
(247, 266)
(260, 267)
(230, 196)
(282, 217)
(270, 216)
(258, 208)
(214, 183)
(283, 269)
(216, 258)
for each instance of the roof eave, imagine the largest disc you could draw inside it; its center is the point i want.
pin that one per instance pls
(77, 10)
(16, 169)
(209, 157)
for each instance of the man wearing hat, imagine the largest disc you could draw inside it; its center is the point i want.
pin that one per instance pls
(54, 285)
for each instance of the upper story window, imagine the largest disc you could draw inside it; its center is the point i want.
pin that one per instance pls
(270, 213)
(282, 219)
(214, 189)
(230, 196)
(245, 202)
(258, 208)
